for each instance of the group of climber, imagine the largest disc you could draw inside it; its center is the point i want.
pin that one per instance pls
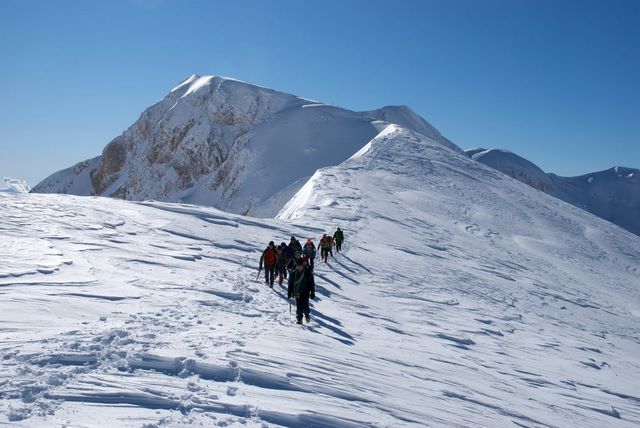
(296, 262)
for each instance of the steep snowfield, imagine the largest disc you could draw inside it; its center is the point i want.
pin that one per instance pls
(13, 185)
(220, 142)
(462, 298)
(612, 194)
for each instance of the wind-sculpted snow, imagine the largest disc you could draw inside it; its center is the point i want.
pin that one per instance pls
(461, 298)
(531, 303)
(219, 142)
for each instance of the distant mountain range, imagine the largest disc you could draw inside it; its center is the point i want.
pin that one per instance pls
(612, 194)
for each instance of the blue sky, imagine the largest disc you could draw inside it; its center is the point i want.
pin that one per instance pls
(557, 82)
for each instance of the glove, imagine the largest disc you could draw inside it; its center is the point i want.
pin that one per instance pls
(313, 295)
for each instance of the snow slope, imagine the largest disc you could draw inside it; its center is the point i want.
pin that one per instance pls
(612, 194)
(13, 185)
(221, 142)
(462, 298)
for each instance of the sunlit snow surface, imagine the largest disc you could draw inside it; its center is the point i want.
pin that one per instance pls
(462, 298)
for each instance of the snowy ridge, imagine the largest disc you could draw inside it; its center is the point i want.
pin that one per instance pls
(462, 298)
(613, 194)
(75, 180)
(220, 142)
(529, 298)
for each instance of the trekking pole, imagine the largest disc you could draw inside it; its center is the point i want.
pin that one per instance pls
(259, 270)
(289, 307)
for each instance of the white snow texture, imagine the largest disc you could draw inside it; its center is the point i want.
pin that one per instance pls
(462, 297)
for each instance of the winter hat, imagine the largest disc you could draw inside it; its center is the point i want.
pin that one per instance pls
(271, 244)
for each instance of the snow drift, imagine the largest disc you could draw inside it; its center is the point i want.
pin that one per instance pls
(462, 298)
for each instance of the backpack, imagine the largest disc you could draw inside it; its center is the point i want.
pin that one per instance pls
(270, 257)
(288, 252)
(309, 250)
(297, 282)
(296, 246)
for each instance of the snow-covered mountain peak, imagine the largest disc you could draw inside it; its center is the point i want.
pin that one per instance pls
(225, 143)
(212, 83)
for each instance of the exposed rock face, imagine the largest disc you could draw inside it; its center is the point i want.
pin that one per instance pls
(228, 144)
(111, 162)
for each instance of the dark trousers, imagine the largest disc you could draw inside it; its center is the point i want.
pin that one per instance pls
(338, 245)
(269, 273)
(324, 253)
(302, 306)
(281, 270)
